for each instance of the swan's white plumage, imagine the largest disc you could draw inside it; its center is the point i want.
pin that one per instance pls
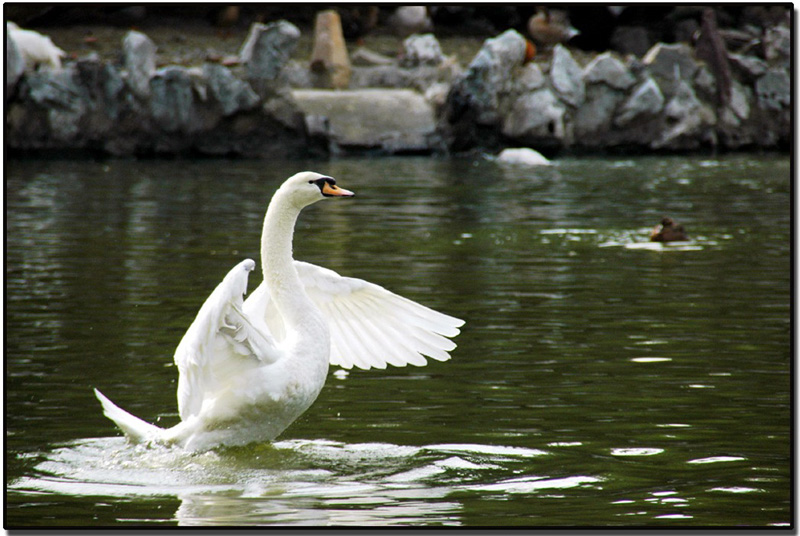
(249, 368)
(370, 326)
(35, 48)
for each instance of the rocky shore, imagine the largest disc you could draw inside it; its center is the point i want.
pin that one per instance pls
(262, 103)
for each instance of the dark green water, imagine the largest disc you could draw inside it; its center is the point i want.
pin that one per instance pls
(598, 381)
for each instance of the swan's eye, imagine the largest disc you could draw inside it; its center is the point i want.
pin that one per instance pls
(322, 182)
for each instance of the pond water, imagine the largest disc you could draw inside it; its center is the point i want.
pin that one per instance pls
(600, 380)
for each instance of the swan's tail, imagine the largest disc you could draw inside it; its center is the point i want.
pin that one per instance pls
(135, 428)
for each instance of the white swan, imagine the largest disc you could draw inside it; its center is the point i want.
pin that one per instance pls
(35, 48)
(249, 369)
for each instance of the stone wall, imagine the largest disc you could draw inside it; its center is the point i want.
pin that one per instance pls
(667, 100)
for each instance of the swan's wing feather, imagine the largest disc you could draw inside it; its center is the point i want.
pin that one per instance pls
(261, 311)
(247, 339)
(372, 327)
(220, 338)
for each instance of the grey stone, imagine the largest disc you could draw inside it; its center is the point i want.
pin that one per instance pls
(15, 64)
(607, 69)
(530, 77)
(683, 103)
(364, 57)
(265, 53)
(777, 43)
(705, 81)
(436, 94)
(646, 100)
(596, 114)
(421, 50)
(172, 99)
(393, 76)
(232, 94)
(393, 121)
(670, 63)
(139, 59)
(690, 121)
(535, 115)
(688, 133)
(488, 75)
(64, 102)
(567, 77)
(750, 66)
(104, 88)
(773, 90)
(740, 100)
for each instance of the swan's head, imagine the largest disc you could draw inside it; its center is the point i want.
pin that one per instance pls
(308, 187)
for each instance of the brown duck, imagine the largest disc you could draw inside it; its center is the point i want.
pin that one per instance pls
(668, 231)
(550, 27)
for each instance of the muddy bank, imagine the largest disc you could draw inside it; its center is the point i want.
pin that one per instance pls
(258, 97)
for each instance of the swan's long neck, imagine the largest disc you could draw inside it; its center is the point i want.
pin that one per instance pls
(277, 262)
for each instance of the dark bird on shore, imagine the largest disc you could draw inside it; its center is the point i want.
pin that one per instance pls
(548, 27)
(668, 231)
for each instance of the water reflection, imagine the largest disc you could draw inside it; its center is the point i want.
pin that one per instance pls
(295, 482)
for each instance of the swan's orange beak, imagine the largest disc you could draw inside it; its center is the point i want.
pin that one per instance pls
(331, 190)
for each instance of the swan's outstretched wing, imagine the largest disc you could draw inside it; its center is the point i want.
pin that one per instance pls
(220, 341)
(372, 327)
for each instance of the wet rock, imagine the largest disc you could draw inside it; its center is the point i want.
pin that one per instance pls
(777, 42)
(606, 69)
(705, 83)
(436, 94)
(139, 60)
(265, 53)
(231, 93)
(105, 90)
(364, 57)
(395, 77)
(488, 77)
(683, 103)
(172, 100)
(668, 64)
(773, 90)
(690, 122)
(63, 101)
(330, 64)
(646, 100)
(740, 101)
(733, 125)
(594, 118)
(529, 77)
(567, 77)
(749, 67)
(391, 121)
(421, 50)
(535, 117)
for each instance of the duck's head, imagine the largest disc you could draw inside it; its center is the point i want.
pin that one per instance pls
(308, 187)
